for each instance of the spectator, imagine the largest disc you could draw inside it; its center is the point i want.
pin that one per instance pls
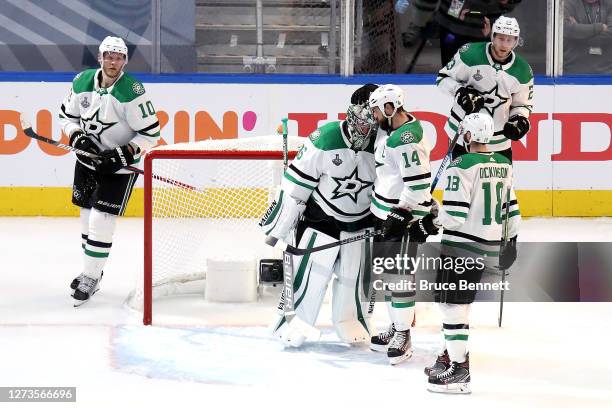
(460, 21)
(587, 45)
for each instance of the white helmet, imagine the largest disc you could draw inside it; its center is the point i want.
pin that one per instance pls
(113, 44)
(506, 25)
(392, 94)
(480, 126)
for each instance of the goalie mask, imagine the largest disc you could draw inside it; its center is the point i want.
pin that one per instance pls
(361, 125)
(480, 126)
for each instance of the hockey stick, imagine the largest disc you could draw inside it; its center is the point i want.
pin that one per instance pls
(449, 154)
(505, 242)
(303, 251)
(28, 131)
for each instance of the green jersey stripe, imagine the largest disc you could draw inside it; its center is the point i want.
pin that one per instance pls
(451, 337)
(457, 214)
(420, 187)
(299, 183)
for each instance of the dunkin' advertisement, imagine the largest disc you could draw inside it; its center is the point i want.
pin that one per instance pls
(562, 167)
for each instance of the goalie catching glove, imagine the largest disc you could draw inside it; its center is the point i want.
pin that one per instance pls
(516, 127)
(112, 160)
(469, 99)
(281, 218)
(79, 140)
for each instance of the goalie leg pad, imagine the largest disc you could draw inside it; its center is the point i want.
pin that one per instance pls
(311, 277)
(99, 242)
(350, 301)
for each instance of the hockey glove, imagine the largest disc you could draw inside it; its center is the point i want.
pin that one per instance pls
(516, 127)
(394, 227)
(507, 254)
(361, 95)
(469, 99)
(79, 140)
(281, 218)
(421, 229)
(115, 159)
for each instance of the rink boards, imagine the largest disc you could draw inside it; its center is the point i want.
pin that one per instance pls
(562, 167)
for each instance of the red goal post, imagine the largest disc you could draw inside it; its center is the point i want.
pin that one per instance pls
(203, 200)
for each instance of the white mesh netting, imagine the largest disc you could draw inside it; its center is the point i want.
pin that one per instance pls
(217, 219)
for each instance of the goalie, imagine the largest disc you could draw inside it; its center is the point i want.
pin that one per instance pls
(325, 197)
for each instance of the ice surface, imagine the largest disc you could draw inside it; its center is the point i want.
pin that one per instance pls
(199, 353)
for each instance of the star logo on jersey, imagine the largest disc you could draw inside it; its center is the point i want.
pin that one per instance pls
(350, 186)
(93, 126)
(493, 100)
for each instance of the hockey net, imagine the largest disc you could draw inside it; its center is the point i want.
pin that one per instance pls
(203, 202)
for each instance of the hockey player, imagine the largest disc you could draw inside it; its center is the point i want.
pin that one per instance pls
(472, 216)
(401, 194)
(490, 77)
(325, 196)
(106, 112)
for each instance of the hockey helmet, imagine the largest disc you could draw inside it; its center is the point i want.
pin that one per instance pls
(113, 44)
(480, 126)
(384, 94)
(506, 25)
(361, 125)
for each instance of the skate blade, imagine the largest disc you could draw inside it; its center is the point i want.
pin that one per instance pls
(378, 347)
(399, 359)
(78, 303)
(462, 388)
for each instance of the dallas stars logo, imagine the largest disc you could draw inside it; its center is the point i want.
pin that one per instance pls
(493, 99)
(350, 186)
(93, 126)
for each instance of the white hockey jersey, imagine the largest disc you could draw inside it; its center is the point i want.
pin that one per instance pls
(474, 202)
(403, 174)
(507, 88)
(338, 178)
(112, 116)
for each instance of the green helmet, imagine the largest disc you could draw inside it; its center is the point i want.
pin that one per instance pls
(361, 125)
